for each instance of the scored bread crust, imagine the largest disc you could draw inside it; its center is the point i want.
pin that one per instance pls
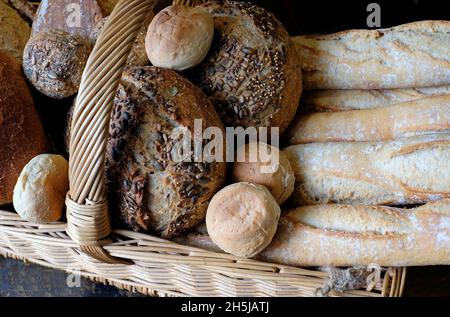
(410, 55)
(14, 31)
(426, 115)
(148, 189)
(22, 135)
(252, 72)
(401, 172)
(355, 99)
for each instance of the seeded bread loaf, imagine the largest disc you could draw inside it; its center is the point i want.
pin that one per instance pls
(427, 115)
(402, 172)
(14, 31)
(150, 188)
(252, 72)
(407, 56)
(351, 99)
(22, 136)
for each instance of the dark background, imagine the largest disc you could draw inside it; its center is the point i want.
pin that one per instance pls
(299, 17)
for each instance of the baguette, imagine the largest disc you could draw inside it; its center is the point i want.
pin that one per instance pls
(411, 118)
(406, 171)
(353, 99)
(407, 56)
(347, 235)
(344, 235)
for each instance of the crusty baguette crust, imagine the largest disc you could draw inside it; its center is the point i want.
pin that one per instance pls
(427, 115)
(407, 56)
(406, 171)
(353, 99)
(345, 235)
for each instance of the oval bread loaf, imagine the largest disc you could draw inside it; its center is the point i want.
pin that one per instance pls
(252, 72)
(151, 189)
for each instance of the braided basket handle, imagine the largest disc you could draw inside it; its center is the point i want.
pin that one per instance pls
(88, 221)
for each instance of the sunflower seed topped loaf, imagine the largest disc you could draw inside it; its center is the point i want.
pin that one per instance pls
(149, 189)
(252, 72)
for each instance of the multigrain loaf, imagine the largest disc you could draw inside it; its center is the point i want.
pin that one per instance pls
(422, 116)
(410, 55)
(54, 61)
(352, 99)
(348, 235)
(22, 136)
(252, 72)
(150, 188)
(14, 31)
(401, 172)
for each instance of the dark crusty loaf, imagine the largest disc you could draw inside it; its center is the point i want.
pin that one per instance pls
(407, 56)
(406, 171)
(22, 136)
(14, 31)
(149, 189)
(252, 72)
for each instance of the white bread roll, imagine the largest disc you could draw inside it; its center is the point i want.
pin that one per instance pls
(179, 37)
(242, 219)
(265, 165)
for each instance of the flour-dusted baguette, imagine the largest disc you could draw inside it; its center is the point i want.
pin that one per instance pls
(427, 115)
(407, 56)
(406, 171)
(346, 235)
(354, 99)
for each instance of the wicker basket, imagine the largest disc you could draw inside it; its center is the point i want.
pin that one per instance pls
(136, 261)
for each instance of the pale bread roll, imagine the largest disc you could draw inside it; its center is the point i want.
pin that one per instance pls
(265, 165)
(179, 37)
(353, 99)
(407, 171)
(427, 115)
(41, 189)
(242, 219)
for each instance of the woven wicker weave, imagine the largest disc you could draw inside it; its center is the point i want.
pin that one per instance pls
(131, 260)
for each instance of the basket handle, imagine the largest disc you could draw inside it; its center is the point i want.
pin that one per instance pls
(88, 221)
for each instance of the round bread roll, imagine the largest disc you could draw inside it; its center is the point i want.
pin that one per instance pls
(252, 71)
(41, 189)
(179, 37)
(242, 219)
(262, 164)
(53, 61)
